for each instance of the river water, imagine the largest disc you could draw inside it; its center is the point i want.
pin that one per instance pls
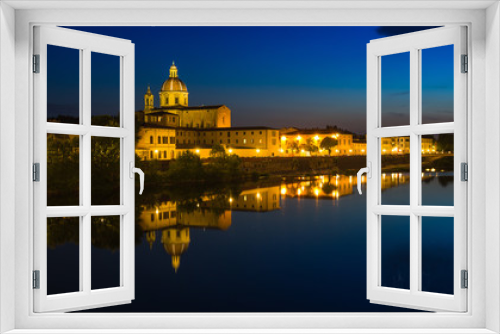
(294, 246)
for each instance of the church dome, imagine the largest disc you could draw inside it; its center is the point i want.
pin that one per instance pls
(173, 83)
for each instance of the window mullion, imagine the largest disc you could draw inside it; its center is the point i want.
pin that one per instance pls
(414, 170)
(86, 164)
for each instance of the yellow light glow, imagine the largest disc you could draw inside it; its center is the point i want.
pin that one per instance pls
(383, 175)
(316, 137)
(283, 138)
(433, 170)
(258, 151)
(302, 151)
(316, 192)
(198, 151)
(258, 195)
(299, 138)
(230, 150)
(362, 150)
(350, 150)
(156, 151)
(422, 174)
(283, 191)
(298, 191)
(157, 211)
(230, 200)
(281, 150)
(383, 150)
(337, 151)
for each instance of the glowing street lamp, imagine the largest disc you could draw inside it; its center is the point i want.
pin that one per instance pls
(197, 151)
(230, 150)
(258, 151)
(299, 138)
(283, 138)
(316, 137)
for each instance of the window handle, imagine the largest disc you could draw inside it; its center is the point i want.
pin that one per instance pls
(134, 170)
(368, 171)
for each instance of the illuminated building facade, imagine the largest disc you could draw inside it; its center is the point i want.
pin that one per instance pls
(175, 127)
(310, 142)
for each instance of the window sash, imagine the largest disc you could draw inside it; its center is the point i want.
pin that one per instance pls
(86, 44)
(413, 43)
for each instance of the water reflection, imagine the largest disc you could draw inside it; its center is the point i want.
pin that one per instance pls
(267, 246)
(173, 219)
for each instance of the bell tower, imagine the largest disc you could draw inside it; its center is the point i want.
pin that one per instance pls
(148, 101)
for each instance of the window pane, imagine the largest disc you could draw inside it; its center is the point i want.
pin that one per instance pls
(63, 170)
(437, 254)
(63, 85)
(105, 171)
(105, 89)
(63, 255)
(395, 95)
(395, 251)
(395, 179)
(437, 170)
(437, 84)
(105, 233)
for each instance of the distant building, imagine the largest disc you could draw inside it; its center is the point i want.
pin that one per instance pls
(175, 127)
(296, 141)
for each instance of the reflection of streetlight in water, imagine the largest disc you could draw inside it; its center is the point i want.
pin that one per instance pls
(175, 221)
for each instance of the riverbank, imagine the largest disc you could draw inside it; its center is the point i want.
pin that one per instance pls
(274, 168)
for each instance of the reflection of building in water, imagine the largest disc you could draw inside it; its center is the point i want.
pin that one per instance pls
(260, 199)
(321, 186)
(176, 242)
(175, 224)
(401, 145)
(390, 180)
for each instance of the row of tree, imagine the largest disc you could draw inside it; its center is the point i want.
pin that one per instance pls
(310, 145)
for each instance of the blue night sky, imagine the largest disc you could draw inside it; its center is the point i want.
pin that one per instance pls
(273, 76)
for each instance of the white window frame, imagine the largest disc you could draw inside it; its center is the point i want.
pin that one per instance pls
(482, 19)
(414, 43)
(85, 44)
